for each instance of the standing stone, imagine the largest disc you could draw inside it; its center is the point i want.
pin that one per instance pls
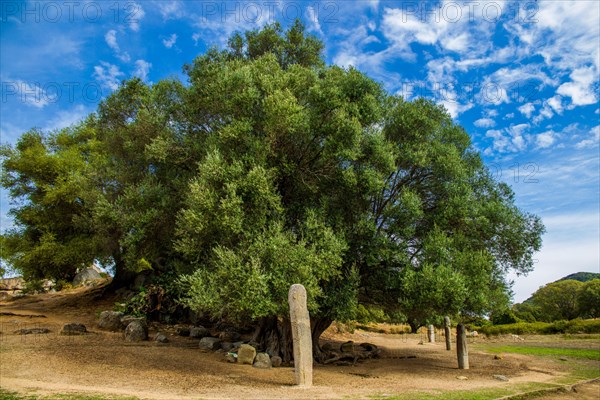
(246, 354)
(447, 333)
(461, 347)
(301, 334)
(431, 334)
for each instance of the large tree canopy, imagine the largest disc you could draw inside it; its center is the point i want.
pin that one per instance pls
(271, 168)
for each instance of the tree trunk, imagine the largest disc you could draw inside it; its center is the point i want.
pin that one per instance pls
(414, 327)
(274, 336)
(123, 277)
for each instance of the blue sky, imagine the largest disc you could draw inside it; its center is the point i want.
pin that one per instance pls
(522, 77)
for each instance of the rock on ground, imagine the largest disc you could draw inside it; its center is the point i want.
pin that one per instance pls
(210, 343)
(262, 360)
(73, 329)
(199, 332)
(86, 276)
(246, 354)
(110, 321)
(276, 361)
(161, 338)
(136, 331)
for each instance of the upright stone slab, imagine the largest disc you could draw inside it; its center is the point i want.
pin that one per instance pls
(447, 333)
(431, 334)
(461, 347)
(301, 334)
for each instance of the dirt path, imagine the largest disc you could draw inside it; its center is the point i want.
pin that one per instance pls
(103, 363)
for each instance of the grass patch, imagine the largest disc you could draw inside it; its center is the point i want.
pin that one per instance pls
(590, 354)
(9, 395)
(479, 394)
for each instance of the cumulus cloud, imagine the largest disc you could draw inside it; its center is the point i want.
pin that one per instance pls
(527, 109)
(142, 68)
(485, 123)
(28, 93)
(313, 20)
(111, 40)
(108, 75)
(581, 87)
(171, 9)
(135, 15)
(170, 42)
(545, 139)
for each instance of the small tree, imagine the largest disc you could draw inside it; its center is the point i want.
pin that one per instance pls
(588, 299)
(558, 300)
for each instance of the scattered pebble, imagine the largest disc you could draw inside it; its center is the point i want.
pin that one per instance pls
(500, 378)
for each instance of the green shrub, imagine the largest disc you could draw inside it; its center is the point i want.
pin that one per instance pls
(544, 328)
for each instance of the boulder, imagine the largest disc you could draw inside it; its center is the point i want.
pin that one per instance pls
(110, 321)
(161, 338)
(276, 361)
(262, 360)
(246, 354)
(127, 319)
(86, 276)
(210, 343)
(73, 329)
(136, 331)
(199, 332)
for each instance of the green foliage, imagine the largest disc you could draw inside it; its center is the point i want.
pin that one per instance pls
(588, 299)
(34, 286)
(581, 276)
(543, 328)
(563, 299)
(271, 168)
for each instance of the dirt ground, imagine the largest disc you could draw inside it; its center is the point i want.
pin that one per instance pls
(103, 363)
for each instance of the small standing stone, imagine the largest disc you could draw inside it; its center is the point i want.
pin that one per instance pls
(447, 333)
(246, 354)
(462, 350)
(431, 333)
(301, 333)
(262, 360)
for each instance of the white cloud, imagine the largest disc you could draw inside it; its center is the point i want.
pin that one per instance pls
(28, 93)
(168, 43)
(195, 38)
(527, 109)
(485, 123)
(509, 140)
(581, 88)
(545, 139)
(556, 104)
(313, 19)
(135, 16)
(592, 141)
(142, 68)
(108, 75)
(65, 118)
(111, 40)
(171, 9)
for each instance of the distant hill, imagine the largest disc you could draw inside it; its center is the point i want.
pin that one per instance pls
(581, 276)
(577, 276)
